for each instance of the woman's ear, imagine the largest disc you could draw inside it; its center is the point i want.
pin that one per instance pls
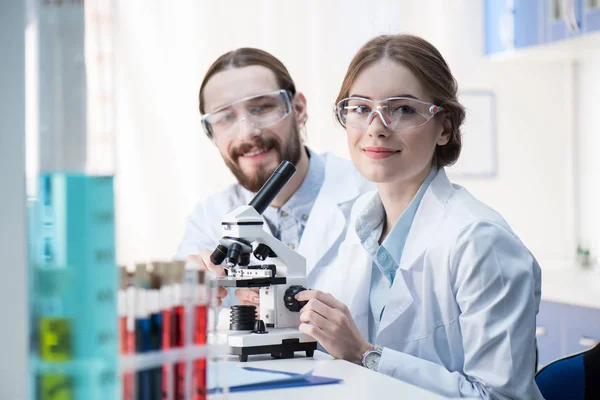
(299, 107)
(446, 134)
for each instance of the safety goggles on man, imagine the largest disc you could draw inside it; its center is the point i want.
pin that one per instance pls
(260, 111)
(396, 113)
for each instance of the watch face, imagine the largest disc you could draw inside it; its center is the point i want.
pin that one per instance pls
(372, 360)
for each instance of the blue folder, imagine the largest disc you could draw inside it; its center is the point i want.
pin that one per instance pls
(265, 379)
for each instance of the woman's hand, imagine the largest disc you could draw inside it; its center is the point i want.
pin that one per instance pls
(328, 320)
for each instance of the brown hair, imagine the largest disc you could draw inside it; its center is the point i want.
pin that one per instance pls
(245, 57)
(430, 68)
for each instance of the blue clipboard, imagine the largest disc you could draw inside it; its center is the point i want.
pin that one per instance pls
(286, 380)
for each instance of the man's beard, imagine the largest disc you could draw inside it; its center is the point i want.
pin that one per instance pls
(254, 182)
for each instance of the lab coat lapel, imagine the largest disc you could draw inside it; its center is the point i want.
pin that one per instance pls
(326, 221)
(426, 221)
(353, 274)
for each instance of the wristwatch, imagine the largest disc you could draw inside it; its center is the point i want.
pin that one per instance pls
(370, 358)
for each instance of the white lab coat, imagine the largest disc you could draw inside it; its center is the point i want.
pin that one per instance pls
(325, 228)
(460, 318)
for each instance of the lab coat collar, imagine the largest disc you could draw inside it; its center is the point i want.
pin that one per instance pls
(320, 234)
(428, 217)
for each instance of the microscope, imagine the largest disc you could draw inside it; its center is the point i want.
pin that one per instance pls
(279, 277)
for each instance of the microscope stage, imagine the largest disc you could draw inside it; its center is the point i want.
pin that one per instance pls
(249, 282)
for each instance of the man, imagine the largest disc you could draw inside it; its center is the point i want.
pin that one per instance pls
(254, 115)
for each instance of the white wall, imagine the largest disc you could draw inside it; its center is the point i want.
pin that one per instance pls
(13, 268)
(166, 163)
(533, 125)
(529, 189)
(588, 148)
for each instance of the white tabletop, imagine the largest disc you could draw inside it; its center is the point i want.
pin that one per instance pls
(570, 284)
(358, 382)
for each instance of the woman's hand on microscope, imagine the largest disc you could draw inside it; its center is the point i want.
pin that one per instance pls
(203, 262)
(329, 321)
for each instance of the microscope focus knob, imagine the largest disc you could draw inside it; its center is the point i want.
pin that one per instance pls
(289, 298)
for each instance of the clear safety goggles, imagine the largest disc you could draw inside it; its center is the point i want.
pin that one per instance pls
(259, 111)
(396, 113)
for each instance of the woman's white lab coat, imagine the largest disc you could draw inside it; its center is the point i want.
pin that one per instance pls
(460, 318)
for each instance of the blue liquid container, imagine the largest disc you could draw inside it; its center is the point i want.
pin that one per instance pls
(75, 288)
(73, 274)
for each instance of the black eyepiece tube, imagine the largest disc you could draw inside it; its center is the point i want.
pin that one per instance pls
(272, 186)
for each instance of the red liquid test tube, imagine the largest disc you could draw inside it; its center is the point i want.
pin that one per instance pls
(126, 328)
(129, 377)
(199, 380)
(178, 331)
(166, 306)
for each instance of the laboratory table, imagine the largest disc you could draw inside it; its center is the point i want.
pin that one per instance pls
(358, 382)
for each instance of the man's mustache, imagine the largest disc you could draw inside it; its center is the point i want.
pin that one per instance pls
(260, 143)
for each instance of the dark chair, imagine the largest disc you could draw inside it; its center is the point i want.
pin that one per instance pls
(576, 377)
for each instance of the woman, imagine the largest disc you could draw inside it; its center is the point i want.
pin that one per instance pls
(431, 285)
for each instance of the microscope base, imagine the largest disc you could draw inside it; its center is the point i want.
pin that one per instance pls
(280, 343)
(284, 350)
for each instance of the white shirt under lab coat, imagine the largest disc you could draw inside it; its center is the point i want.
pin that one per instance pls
(460, 317)
(325, 228)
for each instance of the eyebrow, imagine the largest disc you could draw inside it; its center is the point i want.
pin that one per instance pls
(400, 95)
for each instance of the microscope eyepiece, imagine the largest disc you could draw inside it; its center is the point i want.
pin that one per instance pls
(273, 186)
